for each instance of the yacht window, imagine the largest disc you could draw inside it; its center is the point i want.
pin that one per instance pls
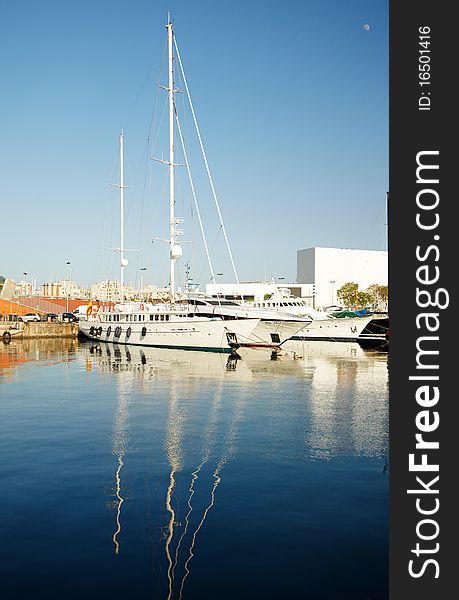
(151, 317)
(156, 317)
(162, 317)
(222, 302)
(167, 317)
(135, 317)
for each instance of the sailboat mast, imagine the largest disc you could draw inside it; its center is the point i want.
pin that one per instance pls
(122, 261)
(171, 162)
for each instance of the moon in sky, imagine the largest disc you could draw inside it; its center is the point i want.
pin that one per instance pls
(366, 27)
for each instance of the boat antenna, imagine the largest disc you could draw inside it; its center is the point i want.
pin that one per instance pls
(123, 261)
(122, 187)
(175, 250)
(122, 214)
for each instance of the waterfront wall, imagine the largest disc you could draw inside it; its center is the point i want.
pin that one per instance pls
(21, 330)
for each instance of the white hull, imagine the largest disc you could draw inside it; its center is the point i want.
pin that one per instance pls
(210, 335)
(150, 363)
(273, 333)
(275, 327)
(346, 329)
(277, 321)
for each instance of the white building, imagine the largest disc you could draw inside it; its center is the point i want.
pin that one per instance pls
(25, 288)
(7, 288)
(106, 291)
(328, 269)
(62, 289)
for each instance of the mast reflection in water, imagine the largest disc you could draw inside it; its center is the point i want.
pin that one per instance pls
(194, 475)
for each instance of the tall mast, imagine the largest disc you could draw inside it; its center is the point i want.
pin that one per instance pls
(123, 262)
(171, 162)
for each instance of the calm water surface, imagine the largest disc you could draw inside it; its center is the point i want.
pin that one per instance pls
(173, 474)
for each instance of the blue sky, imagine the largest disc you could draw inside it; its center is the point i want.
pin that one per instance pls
(291, 98)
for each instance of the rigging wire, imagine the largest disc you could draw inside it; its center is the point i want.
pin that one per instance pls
(146, 160)
(206, 163)
(193, 192)
(142, 87)
(108, 222)
(377, 219)
(146, 170)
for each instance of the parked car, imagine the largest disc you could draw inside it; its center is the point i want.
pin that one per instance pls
(12, 318)
(49, 317)
(68, 317)
(30, 317)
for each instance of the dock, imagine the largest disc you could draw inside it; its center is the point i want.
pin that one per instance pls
(23, 330)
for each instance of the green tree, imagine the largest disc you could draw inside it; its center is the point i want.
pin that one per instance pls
(364, 299)
(347, 293)
(380, 295)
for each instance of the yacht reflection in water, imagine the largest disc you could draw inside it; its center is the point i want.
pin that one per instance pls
(119, 449)
(196, 404)
(216, 448)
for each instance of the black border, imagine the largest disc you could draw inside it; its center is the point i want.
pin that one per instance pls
(411, 131)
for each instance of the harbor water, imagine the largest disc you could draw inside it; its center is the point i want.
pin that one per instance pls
(148, 473)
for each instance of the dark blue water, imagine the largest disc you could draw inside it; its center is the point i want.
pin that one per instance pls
(174, 474)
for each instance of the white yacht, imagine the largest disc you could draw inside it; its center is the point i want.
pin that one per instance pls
(170, 325)
(321, 325)
(272, 331)
(166, 326)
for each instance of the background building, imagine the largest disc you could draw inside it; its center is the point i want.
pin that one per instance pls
(62, 289)
(327, 269)
(107, 291)
(25, 288)
(7, 288)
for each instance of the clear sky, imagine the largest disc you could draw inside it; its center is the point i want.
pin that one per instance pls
(291, 98)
